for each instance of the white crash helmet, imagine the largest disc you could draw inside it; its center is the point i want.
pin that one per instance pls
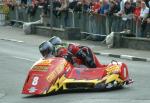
(55, 40)
(46, 48)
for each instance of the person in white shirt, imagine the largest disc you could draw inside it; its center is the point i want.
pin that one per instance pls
(143, 17)
(144, 11)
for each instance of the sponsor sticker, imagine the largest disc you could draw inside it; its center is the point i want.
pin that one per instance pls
(32, 90)
(40, 68)
(46, 62)
(59, 69)
(112, 68)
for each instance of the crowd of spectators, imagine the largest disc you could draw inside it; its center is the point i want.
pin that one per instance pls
(137, 10)
(128, 10)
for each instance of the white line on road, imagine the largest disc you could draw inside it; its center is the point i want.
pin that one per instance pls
(2, 93)
(13, 40)
(148, 59)
(105, 54)
(126, 57)
(22, 58)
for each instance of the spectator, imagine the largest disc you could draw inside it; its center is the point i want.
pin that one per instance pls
(56, 5)
(147, 3)
(136, 13)
(95, 6)
(64, 5)
(105, 7)
(143, 18)
(112, 19)
(64, 8)
(137, 10)
(44, 14)
(149, 13)
(148, 19)
(113, 8)
(72, 4)
(85, 6)
(23, 1)
(128, 9)
(31, 10)
(75, 5)
(133, 3)
(44, 4)
(127, 16)
(11, 4)
(120, 4)
(21, 10)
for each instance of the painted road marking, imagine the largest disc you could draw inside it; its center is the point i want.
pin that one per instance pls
(126, 57)
(22, 58)
(12, 40)
(148, 59)
(105, 54)
(2, 93)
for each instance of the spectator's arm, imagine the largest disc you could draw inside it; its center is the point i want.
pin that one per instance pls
(64, 6)
(148, 20)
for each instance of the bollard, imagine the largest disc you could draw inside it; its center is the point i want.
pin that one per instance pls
(117, 40)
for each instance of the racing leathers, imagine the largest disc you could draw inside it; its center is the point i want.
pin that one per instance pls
(69, 51)
(84, 53)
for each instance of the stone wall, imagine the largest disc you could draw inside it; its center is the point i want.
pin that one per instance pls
(67, 33)
(126, 41)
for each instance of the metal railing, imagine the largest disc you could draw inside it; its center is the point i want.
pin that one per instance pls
(87, 22)
(2, 15)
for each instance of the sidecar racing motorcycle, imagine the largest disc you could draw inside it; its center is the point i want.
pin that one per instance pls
(56, 73)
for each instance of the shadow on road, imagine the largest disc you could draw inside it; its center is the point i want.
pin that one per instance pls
(76, 91)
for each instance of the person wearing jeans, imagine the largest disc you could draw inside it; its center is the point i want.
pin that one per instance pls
(143, 18)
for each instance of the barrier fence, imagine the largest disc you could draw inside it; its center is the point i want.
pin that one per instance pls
(87, 22)
(2, 15)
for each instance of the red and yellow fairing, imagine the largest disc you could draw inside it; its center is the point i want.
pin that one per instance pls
(43, 75)
(56, 73)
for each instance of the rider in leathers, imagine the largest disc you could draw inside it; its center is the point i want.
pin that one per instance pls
(68, 51)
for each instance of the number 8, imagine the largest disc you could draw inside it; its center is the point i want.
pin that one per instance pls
(35, 81)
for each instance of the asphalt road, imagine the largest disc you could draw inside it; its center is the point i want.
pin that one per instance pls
(16, 59)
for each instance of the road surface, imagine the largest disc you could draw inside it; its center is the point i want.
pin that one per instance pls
(16, 59)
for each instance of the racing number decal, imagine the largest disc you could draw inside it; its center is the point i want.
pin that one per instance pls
(35, 81)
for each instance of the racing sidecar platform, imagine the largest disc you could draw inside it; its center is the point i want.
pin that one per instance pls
(54, 74)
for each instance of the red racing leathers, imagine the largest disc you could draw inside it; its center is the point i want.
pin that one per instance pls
(82, 54)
